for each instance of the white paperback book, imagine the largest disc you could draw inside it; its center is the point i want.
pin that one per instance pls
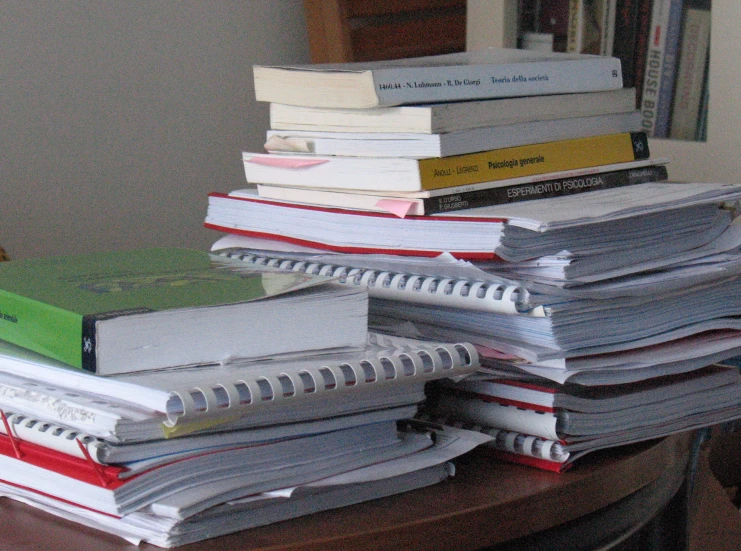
(392, 144)
(453, 116)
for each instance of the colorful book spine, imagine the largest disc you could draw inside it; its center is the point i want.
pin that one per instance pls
(656, 61)
(545, 189)
(532, 159)
(669, 70)
(444, 172)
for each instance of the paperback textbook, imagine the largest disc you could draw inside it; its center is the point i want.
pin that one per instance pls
(490, 73)
(447, 144)
(511, 190)
(403, 174)
(155, 308)
(512, 232)
(452, 116)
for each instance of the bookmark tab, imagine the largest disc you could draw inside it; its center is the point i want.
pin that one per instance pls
(397, 207)
(285, 162)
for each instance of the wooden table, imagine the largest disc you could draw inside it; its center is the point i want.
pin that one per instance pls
(486, 503)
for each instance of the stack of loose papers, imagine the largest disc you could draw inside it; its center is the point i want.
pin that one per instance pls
(611, 288)
(569, 420)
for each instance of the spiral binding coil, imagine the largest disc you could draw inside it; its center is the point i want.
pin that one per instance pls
(440, 291)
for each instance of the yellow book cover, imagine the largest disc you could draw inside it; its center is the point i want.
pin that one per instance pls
(514, 162)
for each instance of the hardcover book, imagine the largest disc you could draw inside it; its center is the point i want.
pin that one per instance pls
(155, 308)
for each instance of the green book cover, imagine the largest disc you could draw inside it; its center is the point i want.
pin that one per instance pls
(51, 305)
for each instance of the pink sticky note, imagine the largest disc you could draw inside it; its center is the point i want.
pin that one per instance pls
(486, 352)
(398, 207)
(286, 162)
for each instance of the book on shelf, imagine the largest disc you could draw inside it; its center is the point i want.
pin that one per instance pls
(624, 41)
(452, 116)
(669, 70)
(609, 19)
(488, 73)
(389, 372)
(660, 60)
(447, 144)
(575, 29)
(156, 308)
(511, 232)
(643, 29)
(511, 190)
(402, 174)
(691, 79)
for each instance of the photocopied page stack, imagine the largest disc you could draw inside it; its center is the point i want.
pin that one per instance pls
(578, 267)
(171, 395)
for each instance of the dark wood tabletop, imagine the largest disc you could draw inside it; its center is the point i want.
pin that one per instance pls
(485, 503)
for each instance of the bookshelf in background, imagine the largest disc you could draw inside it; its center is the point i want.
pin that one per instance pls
(663, 45)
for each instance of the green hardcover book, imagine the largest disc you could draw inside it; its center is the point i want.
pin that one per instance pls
(128, 311)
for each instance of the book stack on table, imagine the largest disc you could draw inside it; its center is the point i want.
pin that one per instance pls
(574, 278)
(170, 395)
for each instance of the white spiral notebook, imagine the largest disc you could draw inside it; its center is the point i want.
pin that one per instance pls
(265, 392)
(483, 296)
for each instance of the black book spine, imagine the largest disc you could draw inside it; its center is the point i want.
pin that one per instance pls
(626, 17)
(643, 40)
(542, 190)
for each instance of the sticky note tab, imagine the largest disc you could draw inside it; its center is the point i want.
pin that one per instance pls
(397, 207)
(286, 162)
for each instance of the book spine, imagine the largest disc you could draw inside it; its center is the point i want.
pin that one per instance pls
(643, 27)
(609, 17)
(691, 74)
(624, 42)
(453, 293)
(576, 25)
(436, 84)
(42, 328)
(499, 164)
(654, 65)
(669, 70)
(542, 190)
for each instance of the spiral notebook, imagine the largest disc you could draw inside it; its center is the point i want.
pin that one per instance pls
(482, 296)
(194, 484)
(386, 373)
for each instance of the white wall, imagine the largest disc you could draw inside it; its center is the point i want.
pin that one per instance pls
(118, 117)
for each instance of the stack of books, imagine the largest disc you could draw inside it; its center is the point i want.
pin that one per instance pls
(170, 395)
(576, 263)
